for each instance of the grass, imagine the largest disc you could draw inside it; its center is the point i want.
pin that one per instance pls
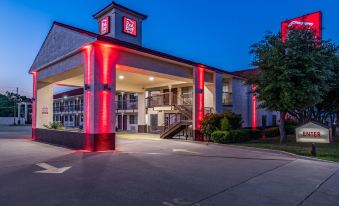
(324, 151)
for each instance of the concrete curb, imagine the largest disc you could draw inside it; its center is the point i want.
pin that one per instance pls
(260, 150)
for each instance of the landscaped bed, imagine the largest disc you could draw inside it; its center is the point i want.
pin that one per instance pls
(324, 151)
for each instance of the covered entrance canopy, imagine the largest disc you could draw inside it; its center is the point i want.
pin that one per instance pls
(104, 65)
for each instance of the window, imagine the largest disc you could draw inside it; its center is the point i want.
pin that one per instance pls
(132, 119)
(274, 120)
(264, 121)
(132, 97)
(66, 118)
(226, 93)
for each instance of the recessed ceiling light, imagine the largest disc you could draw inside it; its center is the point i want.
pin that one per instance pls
(121, 77)
(151, 78)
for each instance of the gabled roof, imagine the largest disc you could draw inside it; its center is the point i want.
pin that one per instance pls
(118, 6)
(247, 73)
(88, 33)
(60, 41)
(128, 45)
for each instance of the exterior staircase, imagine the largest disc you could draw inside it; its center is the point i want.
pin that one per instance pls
(186, 121)
(174, 129)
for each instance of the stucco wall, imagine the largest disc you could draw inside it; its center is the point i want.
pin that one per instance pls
(44, 111)
(240, 100)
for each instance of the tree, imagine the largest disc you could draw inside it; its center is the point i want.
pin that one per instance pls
(293, 75)
(7, 103)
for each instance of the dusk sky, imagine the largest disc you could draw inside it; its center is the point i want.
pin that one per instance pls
(214, 32)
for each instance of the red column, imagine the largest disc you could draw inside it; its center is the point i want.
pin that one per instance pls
(254, 108)
(198, 108)
(99, 97)
(34, 73)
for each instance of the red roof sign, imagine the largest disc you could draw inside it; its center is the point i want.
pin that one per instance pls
(311, 21)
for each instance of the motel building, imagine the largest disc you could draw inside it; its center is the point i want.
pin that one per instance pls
(123, 86)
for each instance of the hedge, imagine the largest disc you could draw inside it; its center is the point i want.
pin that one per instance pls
(235, 136)
(221, 137)
(255, 134)
(272, 132)
(239, 135)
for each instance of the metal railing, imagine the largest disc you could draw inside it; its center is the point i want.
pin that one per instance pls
(68, 108)
(168, 99)
(186, 99)
(208, 110)
(131, 104)
(160, 100)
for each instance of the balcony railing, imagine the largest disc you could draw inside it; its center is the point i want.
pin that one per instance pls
(131, 104)
(168, 99)
(68, 108)
(185, 99)
(208, 110)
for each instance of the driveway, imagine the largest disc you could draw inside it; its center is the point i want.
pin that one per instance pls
(145, 170)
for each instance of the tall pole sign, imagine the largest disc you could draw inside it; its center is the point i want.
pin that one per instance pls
(311, 21)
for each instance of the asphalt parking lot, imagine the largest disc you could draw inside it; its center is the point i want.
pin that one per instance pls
(145, 170)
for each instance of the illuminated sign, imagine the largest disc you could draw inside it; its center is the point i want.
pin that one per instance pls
(130, 26)
(314, 133)
(311, 21)
(104, 25)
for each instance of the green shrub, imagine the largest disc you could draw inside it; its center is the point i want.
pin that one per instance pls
(272, 132)
(225, 124)
(54, 125)
(239, 135)
(234, 119)
(221, 137)
(210, 124)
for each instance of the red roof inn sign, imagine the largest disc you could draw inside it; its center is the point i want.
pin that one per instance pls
(310, 21)
(314, 133)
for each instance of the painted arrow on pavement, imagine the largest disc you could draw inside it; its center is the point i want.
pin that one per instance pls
(49, 169)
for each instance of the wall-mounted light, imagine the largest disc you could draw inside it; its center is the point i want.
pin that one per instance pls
(106, 87)
(65, 97)
(151, 78)
(121, 77)
(86, 87)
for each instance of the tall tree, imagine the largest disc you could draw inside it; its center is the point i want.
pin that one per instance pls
(7, 103)
(293, 75)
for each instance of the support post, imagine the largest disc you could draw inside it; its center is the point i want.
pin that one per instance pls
(99, 96)
(142, 128)
(198, 101)
(26, 112)
(254, 108)
(44, 104)
(19, 112)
